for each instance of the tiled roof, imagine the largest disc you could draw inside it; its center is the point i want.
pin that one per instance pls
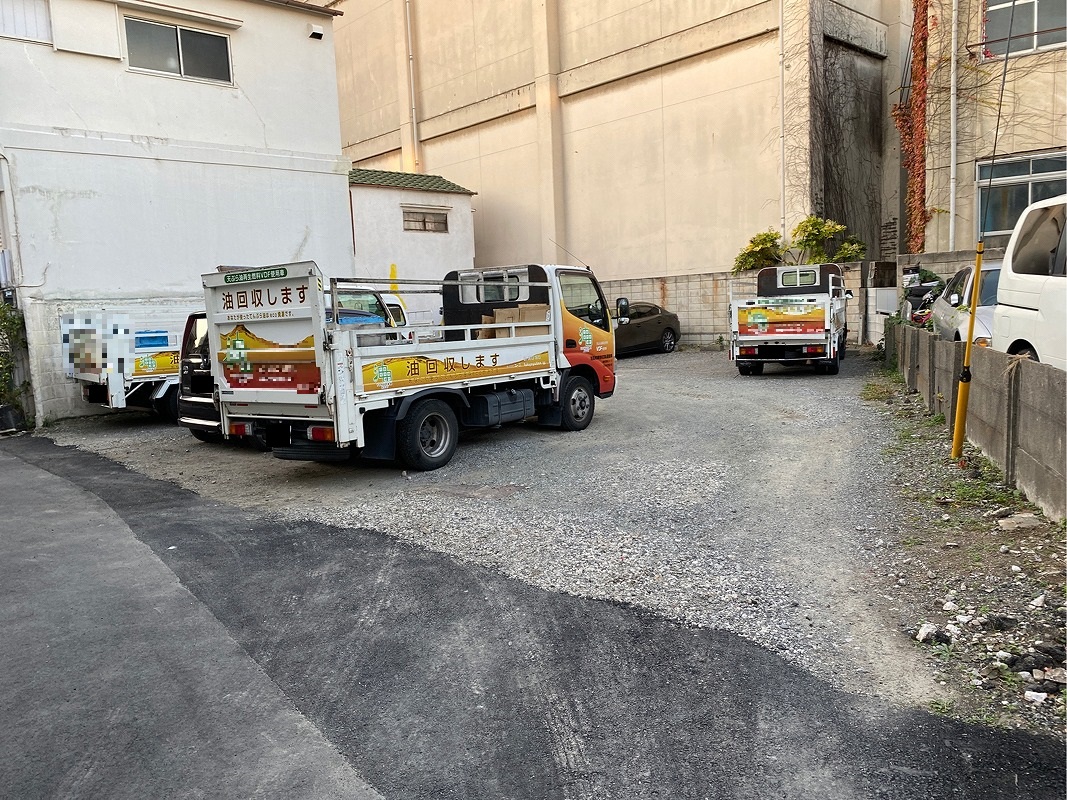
(404, 180)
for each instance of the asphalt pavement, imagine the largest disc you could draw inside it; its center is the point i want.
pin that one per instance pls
(156, 644)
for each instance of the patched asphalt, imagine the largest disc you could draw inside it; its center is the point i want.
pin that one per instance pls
(156, 644)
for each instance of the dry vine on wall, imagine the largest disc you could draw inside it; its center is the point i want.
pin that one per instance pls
(910, 119)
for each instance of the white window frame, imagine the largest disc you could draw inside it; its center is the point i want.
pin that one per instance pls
(1029, 179)
(1026, 13)
(181, 65)
(26, 20)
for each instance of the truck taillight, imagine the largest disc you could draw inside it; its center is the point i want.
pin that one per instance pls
(320, 433)
(239, 429)
(814, 348)
(747, 351)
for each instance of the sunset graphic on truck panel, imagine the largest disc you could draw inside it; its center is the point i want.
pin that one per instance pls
(251, 362)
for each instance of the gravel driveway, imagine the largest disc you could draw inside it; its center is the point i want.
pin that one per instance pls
(749, 504)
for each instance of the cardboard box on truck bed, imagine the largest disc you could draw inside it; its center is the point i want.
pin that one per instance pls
(538, 312)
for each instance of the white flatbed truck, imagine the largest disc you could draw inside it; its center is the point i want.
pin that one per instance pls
(797, 318)
(321, 383)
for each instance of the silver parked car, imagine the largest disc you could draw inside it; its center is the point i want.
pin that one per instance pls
(950, 310)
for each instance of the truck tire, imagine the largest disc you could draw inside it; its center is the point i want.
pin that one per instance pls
(167, 406)
(577, 403)
(757, 368)
(428, 435)
(207, 436)
(833, 365)
(744, 369)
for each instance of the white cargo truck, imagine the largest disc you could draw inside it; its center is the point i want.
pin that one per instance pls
(797, 318)
(126, 357)
(318, 369)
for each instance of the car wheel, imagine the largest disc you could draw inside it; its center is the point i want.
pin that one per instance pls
(428, 435)
(577, 402)
(668, 341)
(211, 437)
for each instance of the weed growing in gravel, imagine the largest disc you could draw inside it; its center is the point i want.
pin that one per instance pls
(941, 706)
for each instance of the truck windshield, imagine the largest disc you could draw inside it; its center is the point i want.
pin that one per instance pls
(354, 306)
(582, 297)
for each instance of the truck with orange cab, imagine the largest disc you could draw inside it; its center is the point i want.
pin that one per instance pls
(320, 369)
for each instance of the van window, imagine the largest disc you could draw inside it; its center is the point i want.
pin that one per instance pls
(1038, 242)
(494, 287)
(803, 277)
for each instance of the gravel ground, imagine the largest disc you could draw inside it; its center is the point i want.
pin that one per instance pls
(777, 507)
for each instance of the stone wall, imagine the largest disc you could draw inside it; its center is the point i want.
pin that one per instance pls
(1016, 409)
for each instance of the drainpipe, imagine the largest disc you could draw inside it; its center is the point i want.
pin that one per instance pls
(781, 109)
(953, 114)
(411, 87)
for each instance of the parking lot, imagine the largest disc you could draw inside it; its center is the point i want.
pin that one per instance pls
(235, 625)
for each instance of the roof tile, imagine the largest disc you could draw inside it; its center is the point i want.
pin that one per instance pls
(404, 180)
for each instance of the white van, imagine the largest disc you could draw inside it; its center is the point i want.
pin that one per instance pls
(1031, 313)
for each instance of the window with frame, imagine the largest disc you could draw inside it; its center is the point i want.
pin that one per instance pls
(1008, 186)
(434, 221)
(26, 19)
(1036, 25)
(171, 49)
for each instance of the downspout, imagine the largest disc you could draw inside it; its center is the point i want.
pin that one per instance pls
(781, 110)
(953, 114)
(411, 87)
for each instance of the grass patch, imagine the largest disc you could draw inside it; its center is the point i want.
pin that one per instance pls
(942, 706)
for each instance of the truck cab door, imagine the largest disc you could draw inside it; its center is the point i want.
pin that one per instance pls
(586, 327)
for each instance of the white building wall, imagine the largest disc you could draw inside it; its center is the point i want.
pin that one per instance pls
(119, 188)
(385, 250)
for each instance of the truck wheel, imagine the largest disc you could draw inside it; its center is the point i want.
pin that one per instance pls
(756, 369)
(167, 406)
(668, 341)
(577, 402)
(744, 369)
(207, 436)
(833, 365)
(428, 435)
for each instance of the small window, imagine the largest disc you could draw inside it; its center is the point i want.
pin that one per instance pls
(435, 221)
(802, 277)
(25, 19)
(1023, 26)
(178, 51)
(1008, 186)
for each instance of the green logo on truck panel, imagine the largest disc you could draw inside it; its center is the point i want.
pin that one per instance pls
(256, 275)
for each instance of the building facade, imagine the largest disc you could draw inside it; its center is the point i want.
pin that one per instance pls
(411, 227)
(647, 139)
(996, 116)
(143, 144)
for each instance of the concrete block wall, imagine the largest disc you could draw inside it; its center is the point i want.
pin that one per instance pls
(702, 301)
(1016, 410)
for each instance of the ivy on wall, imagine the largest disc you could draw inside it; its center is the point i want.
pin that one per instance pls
(910, 119)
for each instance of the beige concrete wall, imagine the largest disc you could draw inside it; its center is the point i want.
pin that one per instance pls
(645, 137)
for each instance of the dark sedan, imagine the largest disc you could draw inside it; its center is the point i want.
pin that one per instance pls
(648, 327)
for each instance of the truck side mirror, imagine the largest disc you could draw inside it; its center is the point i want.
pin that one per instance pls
(622, 307)
(848, 294)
